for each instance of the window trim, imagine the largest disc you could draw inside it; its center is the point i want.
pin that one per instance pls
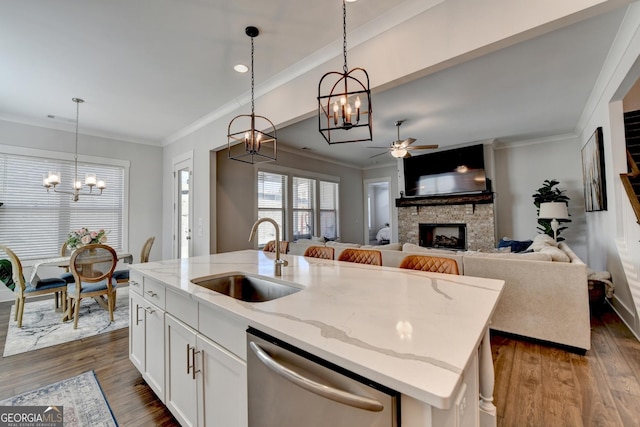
(85, 159)
(298, 173)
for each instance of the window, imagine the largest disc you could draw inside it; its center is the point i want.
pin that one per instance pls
(35, 223)
(328, 209)
(313, 210)
(271, 204)
(303, 204)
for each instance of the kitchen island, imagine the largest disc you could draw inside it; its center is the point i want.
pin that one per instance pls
(422, 334)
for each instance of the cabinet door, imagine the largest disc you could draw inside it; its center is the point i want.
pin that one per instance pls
(136, 331)
(180, 393)
(222, 386)
(154, 348)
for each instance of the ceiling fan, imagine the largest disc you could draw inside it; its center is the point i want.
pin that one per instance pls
(401, 148)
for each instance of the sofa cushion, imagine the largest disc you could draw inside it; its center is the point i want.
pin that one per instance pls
(410, 247)
(387, 247)
(529, 256)
(556, 254)
(342, 245)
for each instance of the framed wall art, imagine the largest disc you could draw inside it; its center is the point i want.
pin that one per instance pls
(595, 190)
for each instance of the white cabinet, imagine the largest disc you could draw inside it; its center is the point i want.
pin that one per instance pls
(146, 341)
(181, 394)
(206, 384)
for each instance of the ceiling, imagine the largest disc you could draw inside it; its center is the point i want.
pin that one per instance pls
(151, 68)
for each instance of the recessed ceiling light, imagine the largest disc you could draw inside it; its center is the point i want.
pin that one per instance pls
(351, 1)
(241, 68)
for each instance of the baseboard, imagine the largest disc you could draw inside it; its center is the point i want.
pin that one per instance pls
(627, 316)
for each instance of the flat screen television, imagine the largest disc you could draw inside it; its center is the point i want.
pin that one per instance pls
(460, 170)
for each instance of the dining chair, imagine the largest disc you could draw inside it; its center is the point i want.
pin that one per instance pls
(122, 276)
(270, 246)
(24, 289)
(430, 263)
(92, 267)
(361, 256)
(324, 252)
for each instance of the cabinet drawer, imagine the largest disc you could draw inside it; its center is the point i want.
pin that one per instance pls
(182, 307)
(135, 282)
(227, 331)
(154, 292)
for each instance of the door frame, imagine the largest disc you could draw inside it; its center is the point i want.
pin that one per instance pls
(366, 183)
(181, 162)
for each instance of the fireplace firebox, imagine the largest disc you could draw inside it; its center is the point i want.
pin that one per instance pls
(444, 236)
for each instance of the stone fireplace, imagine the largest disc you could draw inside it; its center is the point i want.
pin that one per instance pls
(462, 222)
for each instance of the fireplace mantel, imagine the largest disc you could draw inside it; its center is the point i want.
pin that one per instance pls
(453, 199)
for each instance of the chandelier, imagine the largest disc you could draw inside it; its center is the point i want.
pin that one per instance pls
(246, 141)
(344, 101)
(51, 180)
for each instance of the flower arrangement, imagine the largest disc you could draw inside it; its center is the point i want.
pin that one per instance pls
(83, 236)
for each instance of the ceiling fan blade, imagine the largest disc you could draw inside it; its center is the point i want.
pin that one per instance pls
(406, 156)
(376, 155)
(408, 142)
(423, 147)
(379, 148)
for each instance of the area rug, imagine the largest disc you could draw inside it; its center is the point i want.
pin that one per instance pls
(81, 398)
(42, 326)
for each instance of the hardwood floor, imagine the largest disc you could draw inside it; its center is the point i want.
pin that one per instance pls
(536, 385)
(131, 400)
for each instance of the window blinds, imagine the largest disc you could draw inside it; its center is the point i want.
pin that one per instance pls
(35, 223)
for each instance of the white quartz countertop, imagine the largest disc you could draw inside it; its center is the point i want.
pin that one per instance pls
(412, 331)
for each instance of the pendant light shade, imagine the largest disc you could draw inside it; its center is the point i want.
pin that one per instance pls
(251, 138)
(344, 101)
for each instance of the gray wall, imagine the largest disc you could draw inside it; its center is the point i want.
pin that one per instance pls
(520, 169)
(236, 197)
(145, 174)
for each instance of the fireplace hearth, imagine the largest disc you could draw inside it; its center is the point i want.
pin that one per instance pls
(443, 236)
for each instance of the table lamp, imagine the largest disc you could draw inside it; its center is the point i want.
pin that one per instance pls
(554, 211)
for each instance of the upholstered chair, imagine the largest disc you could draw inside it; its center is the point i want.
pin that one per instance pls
(324, 252)
(92, 267)
(24, 289)
(430, 263)
(361, 256)
(271, 246)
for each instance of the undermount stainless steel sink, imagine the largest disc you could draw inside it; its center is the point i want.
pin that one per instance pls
(246, 288)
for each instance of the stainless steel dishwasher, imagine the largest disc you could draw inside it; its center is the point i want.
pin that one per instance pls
(289, 387)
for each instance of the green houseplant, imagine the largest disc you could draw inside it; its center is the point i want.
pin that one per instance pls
(549, 193)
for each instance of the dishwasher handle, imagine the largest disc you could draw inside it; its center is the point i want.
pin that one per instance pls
(331, 393)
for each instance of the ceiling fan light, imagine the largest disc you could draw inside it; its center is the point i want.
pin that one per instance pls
(399, 153)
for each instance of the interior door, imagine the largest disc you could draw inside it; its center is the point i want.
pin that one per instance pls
(182, 207)
(377, 209)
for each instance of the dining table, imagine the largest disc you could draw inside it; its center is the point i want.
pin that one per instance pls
(64, 262)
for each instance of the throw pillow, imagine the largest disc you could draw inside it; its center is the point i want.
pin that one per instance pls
(541, 241)
(6, 274)
(515, 245)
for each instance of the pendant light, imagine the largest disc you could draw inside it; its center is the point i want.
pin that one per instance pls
(247, 142)
(344, 100)
(53, 178)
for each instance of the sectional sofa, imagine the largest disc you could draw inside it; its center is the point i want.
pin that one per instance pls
(546, 291)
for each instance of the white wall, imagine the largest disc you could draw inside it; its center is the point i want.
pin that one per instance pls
(145, 193)
(605, 109)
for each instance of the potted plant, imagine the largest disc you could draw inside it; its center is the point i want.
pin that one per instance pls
(549, 193)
